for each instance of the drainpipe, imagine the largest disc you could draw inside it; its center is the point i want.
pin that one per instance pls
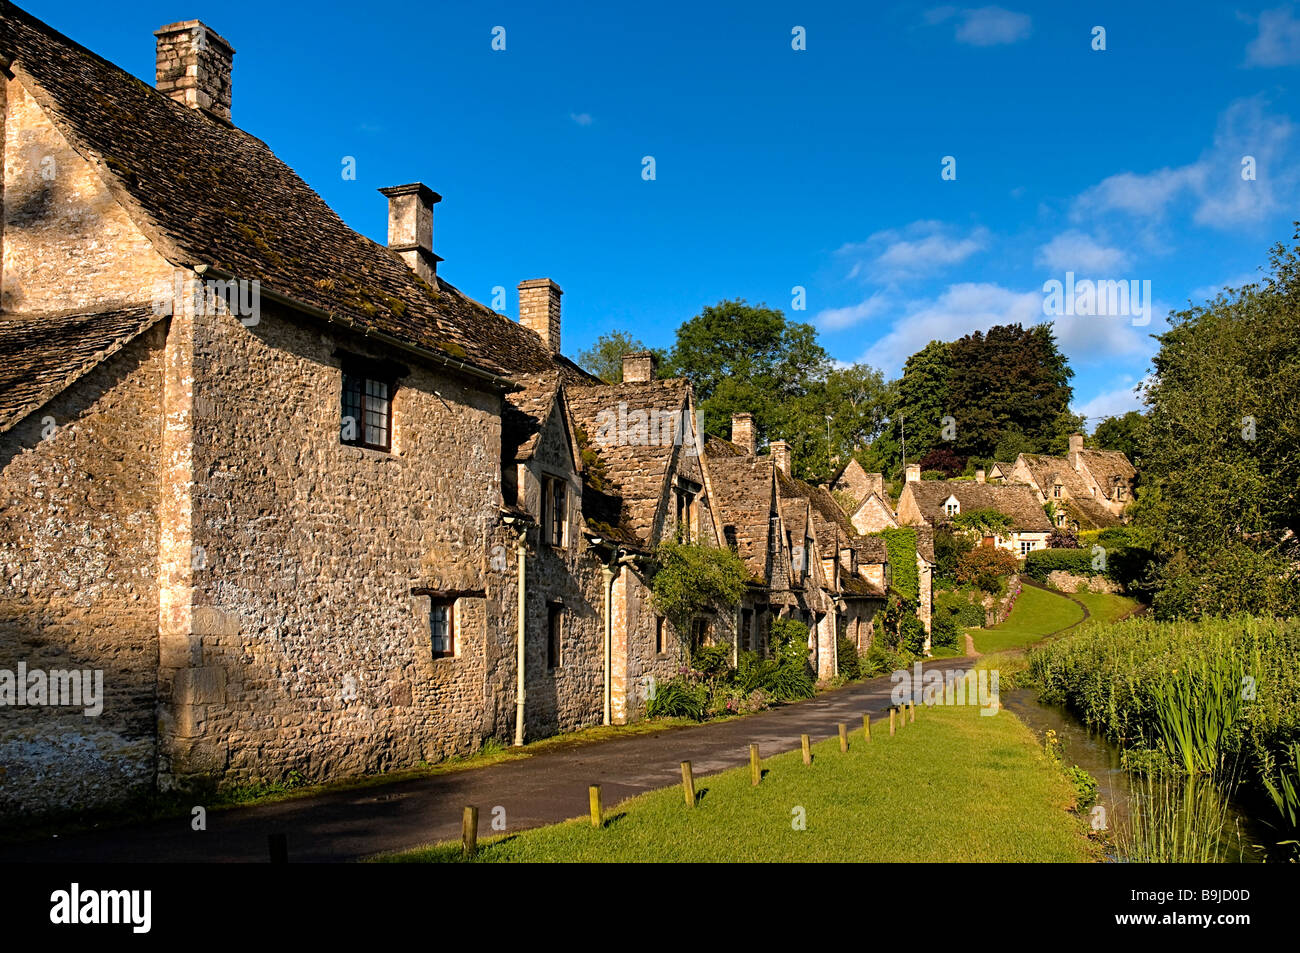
(522, 551)
(607, 574)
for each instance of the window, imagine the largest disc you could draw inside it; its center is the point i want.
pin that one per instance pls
(555, 511)
(441, 628)
(1060, 519)
(1025, 547)
(729, 533)
(952, 507)
(367, 409)
(1056, 491)
(747, 630)
(660, 645)
(685, 514)
(554, 635)
(699, 634)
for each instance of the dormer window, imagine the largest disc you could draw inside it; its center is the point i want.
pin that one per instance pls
(555, 512)
(1056, 491)
(687, 517)
(952, 507)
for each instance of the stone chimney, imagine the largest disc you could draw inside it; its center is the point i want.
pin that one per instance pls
(742, 432)
(410, 227)
(913, 473)
(193, 67)
(876, 484)
(979, 475)
(781, 455)
(539, 310)
(639, 367)
(1076, 445)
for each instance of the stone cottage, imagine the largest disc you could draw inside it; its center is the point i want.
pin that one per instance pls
(931, 503)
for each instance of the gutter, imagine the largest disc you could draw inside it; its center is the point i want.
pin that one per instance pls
(469, 370)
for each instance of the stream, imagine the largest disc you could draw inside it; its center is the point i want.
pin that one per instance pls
(1100, 758)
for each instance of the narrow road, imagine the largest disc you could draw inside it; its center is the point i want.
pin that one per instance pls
(543, 789)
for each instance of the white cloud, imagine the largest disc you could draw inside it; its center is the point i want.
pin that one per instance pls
(582, 119)
(983, 26)
(836, 319)
(1212, 186)
(922, 248)
(977, 306)
(1075, 251)
(1112, 403)
(1278, 40)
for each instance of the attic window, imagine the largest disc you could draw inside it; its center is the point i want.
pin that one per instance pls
(366, 409)
(1056, 491)
(952, 507)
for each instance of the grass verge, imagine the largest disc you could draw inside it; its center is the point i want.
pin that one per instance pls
(1037, 614)
(953, 786)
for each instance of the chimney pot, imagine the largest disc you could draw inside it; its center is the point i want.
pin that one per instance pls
(913, 473)
(410, 227)
(639, 367)
(192, 66)
(539, 309)
(979, 475)
(781, 455)
(742, 432)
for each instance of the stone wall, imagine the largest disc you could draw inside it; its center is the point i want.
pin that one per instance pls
(78, 584)
(67, 243)
(1068, 582)
(306, 650)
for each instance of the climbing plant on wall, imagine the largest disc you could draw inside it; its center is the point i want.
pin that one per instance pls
(901, 545)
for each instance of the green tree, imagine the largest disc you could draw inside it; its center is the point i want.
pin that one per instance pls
(1221, 478)
(605, 356)
(691, 581)
(1124, 433)
(920, 403)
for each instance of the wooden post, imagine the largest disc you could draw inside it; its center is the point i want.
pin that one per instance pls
(469, 831)
(866, 726)
(278, 846)
(911, 711)
(807, 749)
(688, 784)
(844, 737)
(891, 722)
(755, 766)
(593, 795)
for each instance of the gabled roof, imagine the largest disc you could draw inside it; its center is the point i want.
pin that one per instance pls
(1015, 500)
(1049, 471)
(205, 193)
(743, 495)
(1089, 514)
(637, 472)
(1107, 467)
(41, 354)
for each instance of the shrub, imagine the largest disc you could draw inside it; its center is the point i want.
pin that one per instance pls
(679, 698)
(846, 658)
(912, 634)
(944, 630)
(1060, 539)
(712, 661)
(948, 548)
(983, 565)
(784, 677)
(1040, 562)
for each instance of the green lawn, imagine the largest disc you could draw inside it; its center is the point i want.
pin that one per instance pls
(1037, 613)
(1106, 607)
(953, 786)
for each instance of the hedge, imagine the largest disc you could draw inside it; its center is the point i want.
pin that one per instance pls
(1040, 562)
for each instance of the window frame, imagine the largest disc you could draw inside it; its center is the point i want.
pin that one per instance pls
(551, 513)
(364, 373)
(450, 606)
(555, 615)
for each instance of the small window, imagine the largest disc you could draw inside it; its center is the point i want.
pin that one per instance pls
(555, 511)
(554, 635)
(367, 411)
(1056, 491)
(699, 634)
(951, 507)
(685, 515)
(1025, 547)
(660, 646)
(729, 533)
(441, 628)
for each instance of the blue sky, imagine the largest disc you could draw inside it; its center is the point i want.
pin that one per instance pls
(777, 168)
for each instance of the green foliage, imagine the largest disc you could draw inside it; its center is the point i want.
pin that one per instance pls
(881, 659)
(605, 356)
(1040, 562)
(786, 676)
(986, 522)
(1221, 477)
(953, 612)
(921, 402)
(846, 658)
(984, 566)
(691, 580)
(1195, 708)
(1125, 434)
(1085, 787)
(711, 661)
(679, 697)
(911, 634)
(948, 548)
(900, 543)
(1123, 677)
(1178, 821)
